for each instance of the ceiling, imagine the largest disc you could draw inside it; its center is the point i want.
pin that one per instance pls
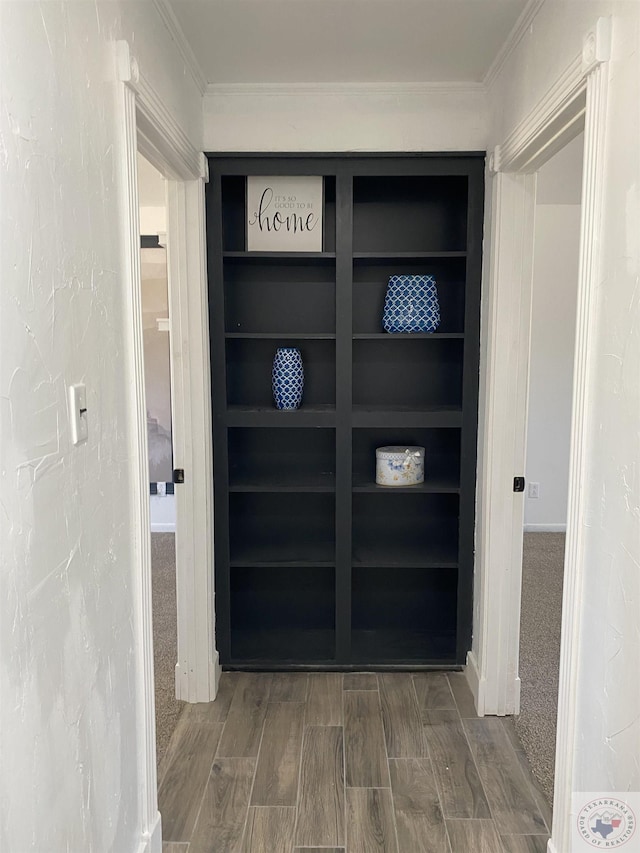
(345, 41)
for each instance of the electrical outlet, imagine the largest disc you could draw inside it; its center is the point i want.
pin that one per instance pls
(534, 490)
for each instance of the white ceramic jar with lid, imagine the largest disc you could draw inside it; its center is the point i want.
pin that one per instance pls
(398, 465)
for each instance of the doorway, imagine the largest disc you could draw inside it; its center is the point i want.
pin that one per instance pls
(575, 100)
(148, 128)
(154, 279)
(556, 252)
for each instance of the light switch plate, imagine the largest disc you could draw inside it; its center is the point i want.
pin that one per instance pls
(78, 413)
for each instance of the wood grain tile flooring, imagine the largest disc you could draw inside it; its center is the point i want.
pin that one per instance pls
(353, 763)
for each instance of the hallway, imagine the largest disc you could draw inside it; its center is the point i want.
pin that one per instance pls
(353, 763)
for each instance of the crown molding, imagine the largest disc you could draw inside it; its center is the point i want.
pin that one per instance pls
(513, 40)
(344, 89)
(168, 17)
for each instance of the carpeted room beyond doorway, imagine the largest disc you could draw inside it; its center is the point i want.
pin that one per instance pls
(165, 646)
(540, 624)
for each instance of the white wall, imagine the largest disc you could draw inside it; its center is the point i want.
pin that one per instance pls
(553, 320)
(152, 191)
(608, 717)
(559, 180)
(157, 364)
(153, 220)
(555, 279)
(163, 513)
(69, 670)
(345, 118)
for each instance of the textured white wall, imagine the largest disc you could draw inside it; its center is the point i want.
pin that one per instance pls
(344, 119)
(608, 724)
(69, 667)
(553, 321)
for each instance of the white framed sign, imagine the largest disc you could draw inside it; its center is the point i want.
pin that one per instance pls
(284, 214)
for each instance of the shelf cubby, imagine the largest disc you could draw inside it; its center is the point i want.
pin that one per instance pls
(418, 375)
(403, 615)
(282, 460)
(441, 466)
(370, 287)
(412, 530)
(250, 363)
(281, 529)
(409, 213)
(272, 297)
(234, 235)
(282, 614)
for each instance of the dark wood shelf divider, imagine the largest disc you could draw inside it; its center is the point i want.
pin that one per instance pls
(408, 336)
(405, 256)
(298, 257)
(436, 487)
(316, 566)
(250, 561)
(382, 416)
(261, 416)
(278, 336)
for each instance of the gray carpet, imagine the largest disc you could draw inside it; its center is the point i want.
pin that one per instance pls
(542, 574)
(165, 655)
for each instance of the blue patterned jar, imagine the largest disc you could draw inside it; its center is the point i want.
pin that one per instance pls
(411, 304)
(287, 378)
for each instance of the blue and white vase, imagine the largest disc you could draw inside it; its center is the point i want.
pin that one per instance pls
(411, 304)
(287, 378)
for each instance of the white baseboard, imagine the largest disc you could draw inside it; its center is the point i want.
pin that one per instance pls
(478, 687)
(182, 684)
(545, 528)
(185, 690)
(216, 673)
(516, 696)
(476, 684)
(163, 527)
(152, 841)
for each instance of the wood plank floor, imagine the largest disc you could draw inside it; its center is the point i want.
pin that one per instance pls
(354, 763)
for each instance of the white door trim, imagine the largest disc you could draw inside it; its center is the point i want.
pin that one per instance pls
(150, 831)
(493, 663)
(161, 140)
(198, 669)
(581, 91)
(149, 128)
(593, 185)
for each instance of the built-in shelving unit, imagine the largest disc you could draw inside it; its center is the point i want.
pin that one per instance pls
(316, 565)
